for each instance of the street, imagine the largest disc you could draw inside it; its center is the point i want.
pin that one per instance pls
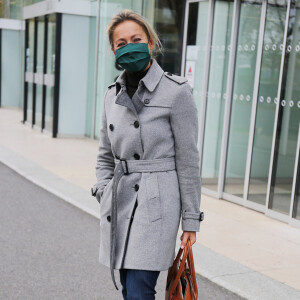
(49, 249)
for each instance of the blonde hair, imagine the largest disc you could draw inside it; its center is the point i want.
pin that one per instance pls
(127, 14)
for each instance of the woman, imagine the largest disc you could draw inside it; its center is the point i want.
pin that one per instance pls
(148, 162)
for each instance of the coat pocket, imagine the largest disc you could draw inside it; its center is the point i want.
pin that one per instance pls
(153, 198)
(105, 199)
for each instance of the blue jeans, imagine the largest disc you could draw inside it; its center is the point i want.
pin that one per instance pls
(138, 284)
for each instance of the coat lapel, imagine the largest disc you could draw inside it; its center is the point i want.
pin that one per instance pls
(122, 97)
(150, 82)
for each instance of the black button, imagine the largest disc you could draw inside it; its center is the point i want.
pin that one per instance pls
(117, 156)
(136, 124)
(170, 74)
(111, 127)
(136, 187)
(136, 156)
(108, 218)
(147, 101)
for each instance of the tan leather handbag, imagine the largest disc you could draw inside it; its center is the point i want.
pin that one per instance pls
(181, 280)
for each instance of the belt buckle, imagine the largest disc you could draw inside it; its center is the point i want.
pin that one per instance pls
(125, 171)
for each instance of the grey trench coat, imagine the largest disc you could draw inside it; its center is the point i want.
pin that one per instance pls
(159, 122)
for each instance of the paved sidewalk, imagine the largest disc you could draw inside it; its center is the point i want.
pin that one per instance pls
(240, 249)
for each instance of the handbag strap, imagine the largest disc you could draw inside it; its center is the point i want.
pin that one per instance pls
(187, 255)
(190, 259)
(174, 267)
(181, 268)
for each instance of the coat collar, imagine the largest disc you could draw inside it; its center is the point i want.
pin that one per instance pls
(150, 80)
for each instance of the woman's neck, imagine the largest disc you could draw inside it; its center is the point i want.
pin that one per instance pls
(133, 79)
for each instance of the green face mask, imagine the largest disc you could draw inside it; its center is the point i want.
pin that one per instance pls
(133, 57)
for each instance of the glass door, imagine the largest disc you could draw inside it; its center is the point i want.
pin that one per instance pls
(266, 102)
(39, 85)
(288, 119)
(29, 55)
(106, 57)
(39, 74)
(216, 94)
(243, 84)
(195, 48)
(49, 73)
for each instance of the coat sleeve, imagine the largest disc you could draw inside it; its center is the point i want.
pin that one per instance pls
(105, 160)
(184, 123)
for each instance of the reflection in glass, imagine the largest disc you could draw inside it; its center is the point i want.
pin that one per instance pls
(296, 208)
(167, 20)
(242, 97)
(288, 119)
(220, 50)
(196, 48)
(266, 103)
(15, 9)
(11, 9)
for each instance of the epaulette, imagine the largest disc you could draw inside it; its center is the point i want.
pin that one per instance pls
(176, 78)
(111, 85)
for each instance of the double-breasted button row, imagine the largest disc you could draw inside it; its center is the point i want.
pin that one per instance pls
(136, 125)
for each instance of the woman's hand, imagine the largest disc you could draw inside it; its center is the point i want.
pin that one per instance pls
(187, 235)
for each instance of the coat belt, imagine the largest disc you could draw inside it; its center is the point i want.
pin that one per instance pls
(125, 167)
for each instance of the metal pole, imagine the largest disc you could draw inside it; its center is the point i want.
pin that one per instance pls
(57, 74)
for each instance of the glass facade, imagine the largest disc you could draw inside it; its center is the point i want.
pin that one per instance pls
(250, 149)
(242, 59)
